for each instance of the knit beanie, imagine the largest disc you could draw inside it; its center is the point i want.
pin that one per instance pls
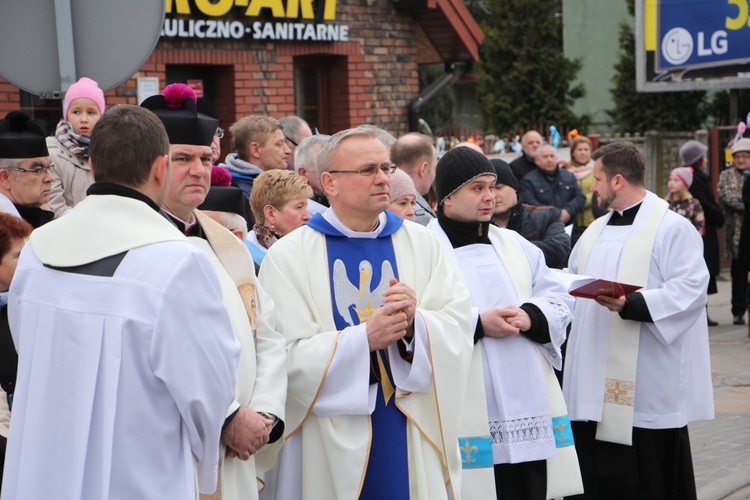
(85, 87)
(457, 167)
(505, 174)
(685, 174)
(401, 185)
(691, 152)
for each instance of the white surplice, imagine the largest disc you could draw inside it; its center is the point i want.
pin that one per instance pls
(330, 398)
(517, 400)
(123, 381)
(673, 376)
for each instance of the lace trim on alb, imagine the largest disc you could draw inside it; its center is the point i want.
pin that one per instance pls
(562, 313)
(522, 432)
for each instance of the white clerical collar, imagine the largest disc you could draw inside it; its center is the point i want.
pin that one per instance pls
(621, 212)
(330, 216)
(188, 225)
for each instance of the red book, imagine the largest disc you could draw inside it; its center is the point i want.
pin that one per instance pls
(592, 288)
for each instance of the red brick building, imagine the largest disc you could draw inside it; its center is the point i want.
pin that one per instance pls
(336, 64)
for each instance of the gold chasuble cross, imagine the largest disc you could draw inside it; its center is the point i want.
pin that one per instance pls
(361, 269)
(363, 315)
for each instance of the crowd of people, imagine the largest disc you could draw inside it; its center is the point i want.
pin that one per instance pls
(345, 316)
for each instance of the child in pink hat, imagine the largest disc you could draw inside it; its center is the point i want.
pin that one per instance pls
(681, 201)
(69, 147)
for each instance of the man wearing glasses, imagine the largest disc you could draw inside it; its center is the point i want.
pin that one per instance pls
(216, 145)
(25, 179)
(295, 131)
(373, 316)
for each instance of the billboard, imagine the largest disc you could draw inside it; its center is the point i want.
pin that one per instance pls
(692, 44)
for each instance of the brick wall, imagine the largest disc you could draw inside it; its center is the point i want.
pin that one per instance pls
(9, 98)
(371, 79)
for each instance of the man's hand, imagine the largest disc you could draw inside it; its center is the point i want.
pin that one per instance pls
(387, 325)
(246, 434)
(506, 321)
(400, 292)
(564, 216)
(614, 305)
(517, 317)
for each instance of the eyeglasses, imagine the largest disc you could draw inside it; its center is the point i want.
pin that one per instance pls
(291, 141)
(38, 171)
(220, 133)
(368, 171)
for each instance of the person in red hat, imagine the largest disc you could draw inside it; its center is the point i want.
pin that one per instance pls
(255, 418)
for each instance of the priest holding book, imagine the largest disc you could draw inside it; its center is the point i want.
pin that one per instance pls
(638, 366)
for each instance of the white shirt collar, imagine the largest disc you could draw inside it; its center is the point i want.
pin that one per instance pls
(189, 224)
(621, 212)
(330, 216)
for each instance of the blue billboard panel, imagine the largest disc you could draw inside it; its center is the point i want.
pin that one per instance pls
(702, 33)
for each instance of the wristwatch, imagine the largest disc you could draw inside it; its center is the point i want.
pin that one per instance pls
(269, 416)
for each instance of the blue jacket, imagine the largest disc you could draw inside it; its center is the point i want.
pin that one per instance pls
(562, 192)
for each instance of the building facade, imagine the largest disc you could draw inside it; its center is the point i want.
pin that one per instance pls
(336, 63)
(591, 31)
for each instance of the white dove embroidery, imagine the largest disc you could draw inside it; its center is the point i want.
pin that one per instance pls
(364, 300)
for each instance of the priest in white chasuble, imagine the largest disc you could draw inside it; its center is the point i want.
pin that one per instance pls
(377, 325)
(519, 318)
(121, 392)
(254, 423)
(637, 367)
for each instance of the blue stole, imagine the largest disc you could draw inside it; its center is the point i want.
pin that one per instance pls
(256, 252)
(359, 270)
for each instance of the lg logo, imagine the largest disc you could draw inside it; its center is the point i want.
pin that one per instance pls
(677, 46)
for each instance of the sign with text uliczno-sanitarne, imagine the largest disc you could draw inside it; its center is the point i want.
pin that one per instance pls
(282, 20)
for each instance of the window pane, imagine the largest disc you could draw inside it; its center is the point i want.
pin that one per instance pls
(306, 95)
(46, 112)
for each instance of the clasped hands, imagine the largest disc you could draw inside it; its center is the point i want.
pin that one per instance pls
(395, 320)
(510, 320)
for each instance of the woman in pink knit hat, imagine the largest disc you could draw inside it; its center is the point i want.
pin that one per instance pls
(69, 147)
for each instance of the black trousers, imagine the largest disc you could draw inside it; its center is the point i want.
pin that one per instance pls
(524, 481)
(659, 465)
(739, 288)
